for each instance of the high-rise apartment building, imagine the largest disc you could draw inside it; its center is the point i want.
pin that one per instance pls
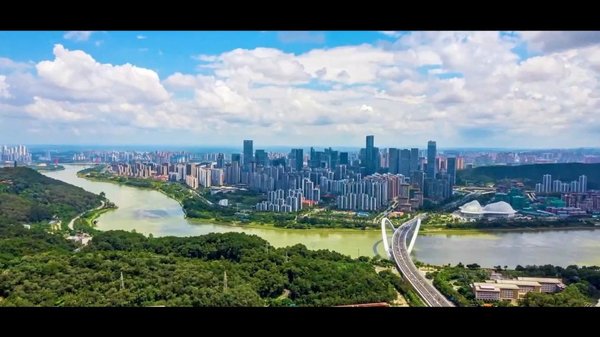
(248, 151)
(431, 155)
(394, 160)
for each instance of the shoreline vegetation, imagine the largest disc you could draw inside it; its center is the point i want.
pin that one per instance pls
(197, 209)
(48, 168)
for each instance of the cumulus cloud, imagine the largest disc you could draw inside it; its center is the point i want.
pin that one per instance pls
(4, 93)
(391, 33)
(260, 65)
(76, 75)
(7, 64)
(558, 41)
(331, 95)
(46, 109)
(78, 35)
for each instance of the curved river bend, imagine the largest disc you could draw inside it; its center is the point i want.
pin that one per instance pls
(151, 212)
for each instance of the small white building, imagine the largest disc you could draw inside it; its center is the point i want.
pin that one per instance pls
(81, 238)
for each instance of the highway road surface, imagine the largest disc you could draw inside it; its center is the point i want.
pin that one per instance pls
(430, 295)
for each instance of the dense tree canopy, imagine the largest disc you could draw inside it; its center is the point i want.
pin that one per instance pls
(38, 268)
(27, 196)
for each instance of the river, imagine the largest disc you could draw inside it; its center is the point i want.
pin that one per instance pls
(151, 212)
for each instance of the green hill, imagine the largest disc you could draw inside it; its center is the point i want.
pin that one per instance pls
(532, 174)
(27, 196)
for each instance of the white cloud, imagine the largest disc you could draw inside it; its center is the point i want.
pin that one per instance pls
(221, 98)
(348, 65)
(205, 58)
(141, 37)
(78, 35)
(4, 93)
(46, 109)
(8, 64)
(391, 33)
(260, 65)
(281, 97)
(558, 41)
(76, 75)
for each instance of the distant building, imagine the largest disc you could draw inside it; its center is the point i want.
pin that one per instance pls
(473, 210)
(248, 157)
(261, 158)
(81, 238)
(495, 292)
(394, 160)
(431, 154)
(548, 285)
(500, 289)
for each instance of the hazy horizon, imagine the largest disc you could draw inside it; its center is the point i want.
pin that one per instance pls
(263, 146)
(489, 89)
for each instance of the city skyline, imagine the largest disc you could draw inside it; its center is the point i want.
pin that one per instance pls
(464, 89)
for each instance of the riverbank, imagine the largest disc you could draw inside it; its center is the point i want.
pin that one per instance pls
(72, 222)
(156, 185)
(268, 226)
(184, 192)
(49, 168)
(153, 213)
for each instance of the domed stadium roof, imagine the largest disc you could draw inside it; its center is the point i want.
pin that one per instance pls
(500, 207)
(472, 207)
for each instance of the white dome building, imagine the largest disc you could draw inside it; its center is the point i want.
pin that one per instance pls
(472, 207)
(473, 210)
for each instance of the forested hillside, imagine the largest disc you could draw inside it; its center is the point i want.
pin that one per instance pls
(532, 174)
(231, 269)
(27, 196)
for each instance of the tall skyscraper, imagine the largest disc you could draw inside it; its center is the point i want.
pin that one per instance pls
(344, 158)
(236, 157)
(248, 149)
(451, 169)
(260, 156)
(404, 166)
(394, 160)
(298, 159)
(370, 156)
(414, 159)
(220, 160)
(431, 164)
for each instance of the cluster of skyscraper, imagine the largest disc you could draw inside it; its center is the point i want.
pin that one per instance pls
(367, 181)
(16, 153)
(557, 186)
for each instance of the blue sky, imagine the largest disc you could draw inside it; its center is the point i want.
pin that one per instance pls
(171, 51)
(300, 88)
